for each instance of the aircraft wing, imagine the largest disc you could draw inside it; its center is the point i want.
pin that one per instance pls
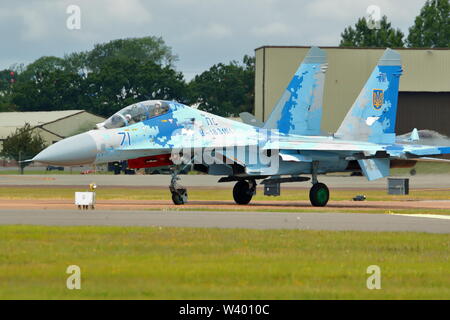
(372, 166)
(395, 150)
(330, 145)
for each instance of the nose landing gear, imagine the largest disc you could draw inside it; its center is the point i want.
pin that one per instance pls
(179, 193)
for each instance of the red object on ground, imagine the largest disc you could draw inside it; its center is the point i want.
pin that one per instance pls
(150, 162)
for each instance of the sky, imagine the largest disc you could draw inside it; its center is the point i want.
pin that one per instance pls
(201, 32)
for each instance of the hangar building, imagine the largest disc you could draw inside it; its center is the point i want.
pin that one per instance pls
(424, 97)
(51, 125)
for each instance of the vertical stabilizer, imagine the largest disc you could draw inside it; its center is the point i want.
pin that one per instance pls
(299, 110)
(373, 114)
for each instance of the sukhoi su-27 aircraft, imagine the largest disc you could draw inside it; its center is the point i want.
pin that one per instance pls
(288, 146)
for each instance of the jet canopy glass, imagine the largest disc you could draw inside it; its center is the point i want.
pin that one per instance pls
(136, 113)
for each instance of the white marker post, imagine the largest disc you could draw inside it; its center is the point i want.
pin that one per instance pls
(84, 200)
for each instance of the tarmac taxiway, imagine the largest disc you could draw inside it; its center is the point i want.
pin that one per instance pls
(229, 219)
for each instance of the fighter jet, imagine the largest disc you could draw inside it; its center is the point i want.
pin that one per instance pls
(287, 147)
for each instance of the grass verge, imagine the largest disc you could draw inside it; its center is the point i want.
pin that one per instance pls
(104, 193)
(190, 263)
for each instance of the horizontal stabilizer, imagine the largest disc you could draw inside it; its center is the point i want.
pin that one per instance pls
(375, 168)
(428, 159)
(248, 118)
(431, 151)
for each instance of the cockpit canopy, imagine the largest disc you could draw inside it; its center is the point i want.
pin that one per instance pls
(136, 113)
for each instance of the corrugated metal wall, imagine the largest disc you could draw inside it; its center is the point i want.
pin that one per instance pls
(423, 110)
(425, 70)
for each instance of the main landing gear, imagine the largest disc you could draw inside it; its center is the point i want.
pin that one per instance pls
(319, 193)
(243, 191)
(179, 193)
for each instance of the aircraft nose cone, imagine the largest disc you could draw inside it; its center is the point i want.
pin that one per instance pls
(76, 150)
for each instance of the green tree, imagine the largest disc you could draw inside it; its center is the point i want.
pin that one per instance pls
(44, 65)
(23, 144)
(102, 80)
(431, 27)
(146, 49)
(116, 84)
(225, 90)
(121, 82)
(363, 36)
(7, 81)
(77, 62)
(38, 86)
(49, 91)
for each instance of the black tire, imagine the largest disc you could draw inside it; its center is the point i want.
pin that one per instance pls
(319, 195)
(178, 199)
(242, 193)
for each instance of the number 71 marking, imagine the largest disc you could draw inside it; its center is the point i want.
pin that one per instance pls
(125, 134)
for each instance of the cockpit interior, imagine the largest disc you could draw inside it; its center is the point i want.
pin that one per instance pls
(135, 113)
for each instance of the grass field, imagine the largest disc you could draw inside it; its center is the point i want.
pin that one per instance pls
(201, 193)
(124, 194)
(187, 263)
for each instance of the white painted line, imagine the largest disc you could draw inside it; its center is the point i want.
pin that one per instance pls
(435, 216)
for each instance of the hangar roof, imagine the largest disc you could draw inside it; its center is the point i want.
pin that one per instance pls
(9, 121)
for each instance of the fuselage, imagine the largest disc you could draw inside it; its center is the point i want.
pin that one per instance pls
(215, 142)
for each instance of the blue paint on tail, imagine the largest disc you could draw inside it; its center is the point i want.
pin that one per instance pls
(373, 114)
(299, 110)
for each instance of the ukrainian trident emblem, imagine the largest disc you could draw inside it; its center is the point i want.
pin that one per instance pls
(377, 98)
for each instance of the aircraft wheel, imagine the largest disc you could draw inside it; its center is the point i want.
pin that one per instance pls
(242, 192)
(180, 197)
(319, 195)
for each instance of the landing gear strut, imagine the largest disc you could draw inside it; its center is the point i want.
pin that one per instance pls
(319, 193)
(243, 191)
(179, 193)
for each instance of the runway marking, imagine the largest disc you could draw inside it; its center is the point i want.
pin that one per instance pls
(434, 216)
